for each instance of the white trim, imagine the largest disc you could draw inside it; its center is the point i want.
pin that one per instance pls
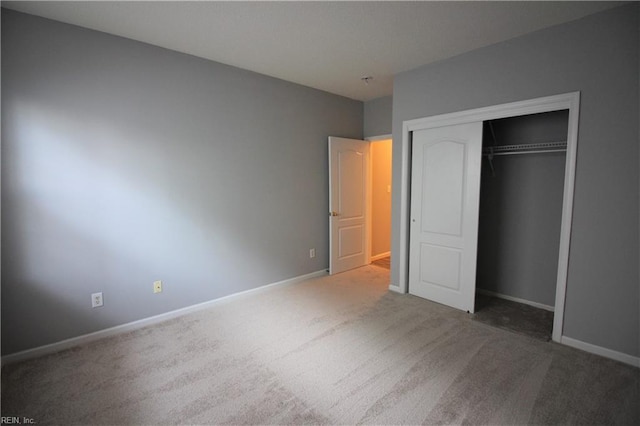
(378, 138)
(567, 215)
(135, 325)
(515, 299)
(599, 350)
(395, 289)
(368, 215)
(513, 109)
(380, 256)
(570, 101)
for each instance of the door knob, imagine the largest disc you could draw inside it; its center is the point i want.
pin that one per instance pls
(334, 214)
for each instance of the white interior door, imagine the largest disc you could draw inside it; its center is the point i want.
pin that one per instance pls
(445, 199)
(348, 218)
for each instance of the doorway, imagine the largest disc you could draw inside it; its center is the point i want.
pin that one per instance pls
(380, 253)
(359, 202)
(521, 189)
(569, 102)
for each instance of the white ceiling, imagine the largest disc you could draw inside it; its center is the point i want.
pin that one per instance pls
(325, 45)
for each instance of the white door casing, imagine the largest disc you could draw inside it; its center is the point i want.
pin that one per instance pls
(349, 178)
(445, 200)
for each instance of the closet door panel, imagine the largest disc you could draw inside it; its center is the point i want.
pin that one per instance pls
(441, 266)
(445, 194)
(443, 165)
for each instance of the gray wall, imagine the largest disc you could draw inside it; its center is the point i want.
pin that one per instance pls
(597, 55)
(377, 116)
(521, 208)
(124, 163)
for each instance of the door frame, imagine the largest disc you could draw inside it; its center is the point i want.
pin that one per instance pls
(369, 198)
(566, 101)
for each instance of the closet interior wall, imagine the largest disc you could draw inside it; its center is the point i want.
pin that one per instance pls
(521, 208)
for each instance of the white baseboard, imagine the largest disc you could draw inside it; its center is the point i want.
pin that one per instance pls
(101, 334)
(380, 256)
(515, 299)
(395, 288)
(599, 350)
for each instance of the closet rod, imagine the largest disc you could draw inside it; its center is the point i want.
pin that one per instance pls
(532, 148)
(539, 151)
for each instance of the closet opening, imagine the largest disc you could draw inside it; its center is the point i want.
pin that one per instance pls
(381, 155)
(520, 216)
(449, 147)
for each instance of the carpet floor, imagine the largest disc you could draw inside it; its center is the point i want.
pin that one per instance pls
(331, 350)
(385, 262)
(513, 316)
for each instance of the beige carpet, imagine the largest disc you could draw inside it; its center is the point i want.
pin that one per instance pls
(513, 316)
(333, 350)
(385, 262)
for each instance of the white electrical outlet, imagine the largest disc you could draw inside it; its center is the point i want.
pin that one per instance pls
(96, 300)
(312, 253)
(157, 286)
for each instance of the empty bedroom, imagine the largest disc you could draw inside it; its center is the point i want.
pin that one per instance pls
(320, 213)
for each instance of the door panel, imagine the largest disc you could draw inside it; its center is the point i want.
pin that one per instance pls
(350, 182)
(443, 181)
(350, 241)
(348, 185)
(441, 266)
(445, 198)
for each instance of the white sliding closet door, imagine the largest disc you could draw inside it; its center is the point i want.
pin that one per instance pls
(445, 199)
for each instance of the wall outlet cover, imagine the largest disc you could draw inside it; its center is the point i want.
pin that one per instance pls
(96, 300)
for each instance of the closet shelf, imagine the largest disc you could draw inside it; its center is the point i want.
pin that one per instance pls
(531, 148)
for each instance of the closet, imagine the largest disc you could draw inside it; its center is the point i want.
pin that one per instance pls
(486, 205)
(521, 196)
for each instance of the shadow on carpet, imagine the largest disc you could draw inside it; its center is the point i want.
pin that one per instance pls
(512, 316)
